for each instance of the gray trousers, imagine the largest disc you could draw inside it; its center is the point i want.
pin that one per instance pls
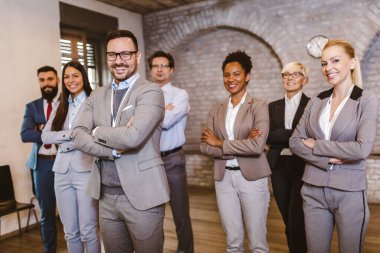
(175, 167)
(324, 207)
(78, 212)
(243, 203)
(127, 230)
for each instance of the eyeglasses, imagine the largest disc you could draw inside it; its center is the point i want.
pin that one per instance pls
(124, 55)
(157, 66)
(286, 75)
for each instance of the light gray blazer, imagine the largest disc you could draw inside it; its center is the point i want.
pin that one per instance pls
(140, 168)
(352, 138)
(67, 155)
(249, 153)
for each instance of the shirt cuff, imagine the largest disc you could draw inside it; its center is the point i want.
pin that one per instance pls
(115, 154)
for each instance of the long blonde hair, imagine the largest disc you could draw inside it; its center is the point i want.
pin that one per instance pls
(356, 74)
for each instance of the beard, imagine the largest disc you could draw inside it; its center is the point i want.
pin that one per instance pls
(51, 94)
(121, 77)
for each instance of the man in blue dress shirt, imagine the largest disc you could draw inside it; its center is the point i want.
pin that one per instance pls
(172, 139)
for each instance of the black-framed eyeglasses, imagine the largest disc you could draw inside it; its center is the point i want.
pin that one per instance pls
(286, 75)
(157, 66)
(124, 55)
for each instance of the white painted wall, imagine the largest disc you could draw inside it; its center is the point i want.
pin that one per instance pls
(29, 39)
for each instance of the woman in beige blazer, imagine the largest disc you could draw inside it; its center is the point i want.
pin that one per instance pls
(335, 136)
(241, 168)
(78, 211)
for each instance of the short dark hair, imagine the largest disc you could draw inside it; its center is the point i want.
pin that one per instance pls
(161, 54)
(122, 34)
(46, 69)
(241, 57)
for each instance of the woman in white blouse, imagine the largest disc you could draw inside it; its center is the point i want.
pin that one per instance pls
(78, 211)
(335, 136)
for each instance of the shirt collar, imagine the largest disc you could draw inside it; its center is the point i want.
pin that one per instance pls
(79, 99)
(126, 83)
(295, 99)
(167, 87)
(241, 101)
(55, 99)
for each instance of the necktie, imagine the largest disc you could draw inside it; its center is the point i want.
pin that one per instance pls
(48, 112)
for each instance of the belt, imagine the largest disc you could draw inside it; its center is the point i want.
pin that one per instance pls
(47, 157)
(165, 153)
(232, 168)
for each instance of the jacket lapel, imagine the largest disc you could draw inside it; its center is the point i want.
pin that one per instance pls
(222, 118)
(40, 109)
(300, 110)
(280, 112)
(314, 118)
(241, 114)
(137, 83)
(77, 116)
(107, 108)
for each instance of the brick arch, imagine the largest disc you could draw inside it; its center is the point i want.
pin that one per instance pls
(189, 27)
(371, 74)
(190, 37)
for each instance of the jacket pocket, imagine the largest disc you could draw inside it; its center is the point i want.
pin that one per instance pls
(150, 163)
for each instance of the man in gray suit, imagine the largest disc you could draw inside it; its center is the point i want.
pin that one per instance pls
(121, 125)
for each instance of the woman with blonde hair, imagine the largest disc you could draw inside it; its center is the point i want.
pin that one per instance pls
(287, 168)
(335, 136)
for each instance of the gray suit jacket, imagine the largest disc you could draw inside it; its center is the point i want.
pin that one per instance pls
(67, 155)
(352, 138)
(140, 168)
(249, 153)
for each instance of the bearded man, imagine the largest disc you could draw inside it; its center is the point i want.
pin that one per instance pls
(42, 157)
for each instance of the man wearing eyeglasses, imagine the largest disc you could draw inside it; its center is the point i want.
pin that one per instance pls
(172, 139)
(121, 125)
(287, 169)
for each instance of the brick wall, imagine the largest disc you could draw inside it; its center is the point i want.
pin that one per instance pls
(273, 32)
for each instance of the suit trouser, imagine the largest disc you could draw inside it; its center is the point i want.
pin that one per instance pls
(44, 184)
(175, 167)
(242, 202)
(286, 183)
(325, 207)
(125, 229)
(78, 211)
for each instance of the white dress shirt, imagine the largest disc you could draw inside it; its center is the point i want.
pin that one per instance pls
(230, 122)
(324, 119)
(52, 150)
(291, 106)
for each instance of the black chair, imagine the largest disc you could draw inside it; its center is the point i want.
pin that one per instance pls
(8, 203)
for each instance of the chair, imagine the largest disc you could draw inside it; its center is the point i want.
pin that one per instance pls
(8, 203)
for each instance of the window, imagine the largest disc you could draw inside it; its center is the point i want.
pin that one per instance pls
(72, 48)
(82, 38)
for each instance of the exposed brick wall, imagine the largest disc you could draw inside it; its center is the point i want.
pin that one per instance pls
(273, 32)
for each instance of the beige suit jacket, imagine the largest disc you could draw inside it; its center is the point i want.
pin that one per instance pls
(249, 153)
(140, 168)
(352, 139)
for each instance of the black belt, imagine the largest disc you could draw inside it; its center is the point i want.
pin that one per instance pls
(48, 157)
(232, 168)
(165, 153)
